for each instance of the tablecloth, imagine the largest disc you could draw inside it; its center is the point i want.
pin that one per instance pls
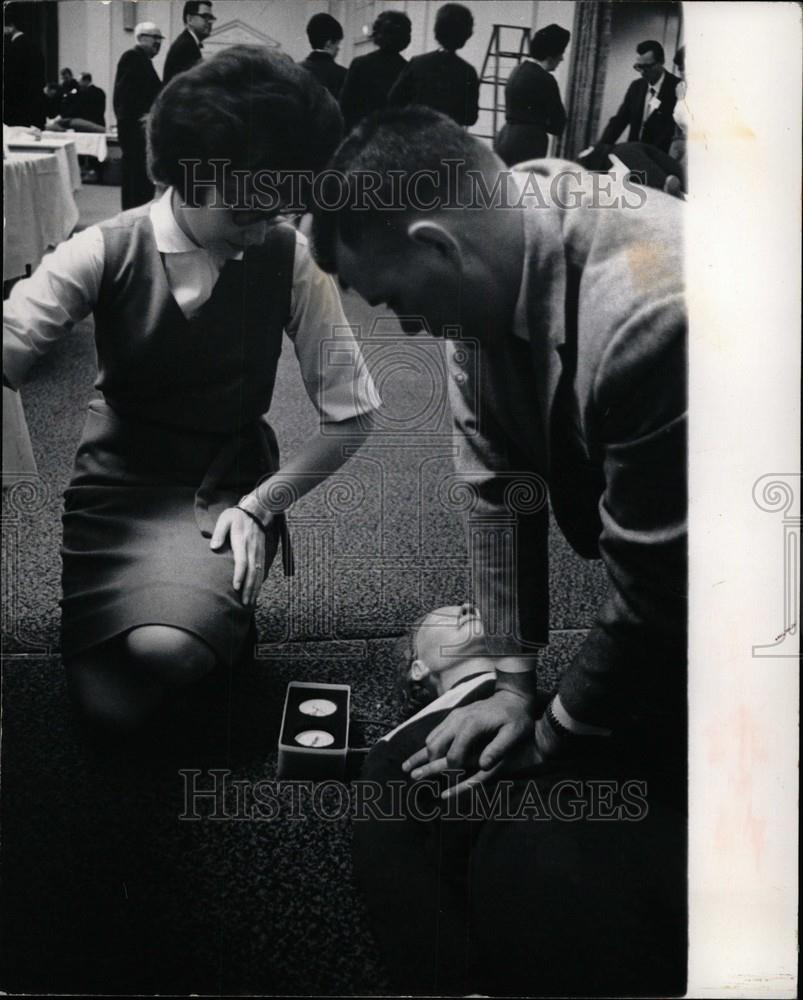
(86, 143)
(65, 149)
(40, 209)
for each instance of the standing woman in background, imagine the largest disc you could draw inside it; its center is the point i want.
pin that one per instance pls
(441, 79)
(370, 77)
(533, 108)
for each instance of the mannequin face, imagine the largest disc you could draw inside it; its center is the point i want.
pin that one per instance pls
(446, 636)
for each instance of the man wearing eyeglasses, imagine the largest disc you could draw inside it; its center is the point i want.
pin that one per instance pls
(186, 49)
(649, 102)
(136, 85)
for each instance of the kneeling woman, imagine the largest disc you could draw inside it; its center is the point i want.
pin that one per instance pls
(175, 507)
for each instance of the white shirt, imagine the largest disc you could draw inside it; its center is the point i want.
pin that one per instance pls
(65, 289)
(651, 102)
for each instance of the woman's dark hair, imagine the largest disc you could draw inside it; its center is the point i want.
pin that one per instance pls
(250, 107)
(391, 31)
(454, 25)
(323, 28)
(550, 42)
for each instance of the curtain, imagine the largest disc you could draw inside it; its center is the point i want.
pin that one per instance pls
(591, 40)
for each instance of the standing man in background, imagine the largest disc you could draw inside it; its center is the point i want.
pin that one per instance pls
(136, 85)
(325, 35)
(23, 75)
(186, 49)
(90, 103)
(649, 102)
(69, 92)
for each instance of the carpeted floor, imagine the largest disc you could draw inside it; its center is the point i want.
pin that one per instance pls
(111, 884)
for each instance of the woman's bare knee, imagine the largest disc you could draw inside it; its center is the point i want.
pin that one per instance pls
(171, 655)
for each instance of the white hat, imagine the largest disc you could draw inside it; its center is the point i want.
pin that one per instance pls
(147, 28)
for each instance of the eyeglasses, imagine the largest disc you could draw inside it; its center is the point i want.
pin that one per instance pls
(147, 34)
(640, 67)
(206, 17)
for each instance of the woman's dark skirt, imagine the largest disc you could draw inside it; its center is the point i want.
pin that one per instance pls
(518, 142)
(136, 542)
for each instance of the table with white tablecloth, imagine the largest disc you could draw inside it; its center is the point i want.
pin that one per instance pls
(40, 210)
(63, 148)
(86, 143)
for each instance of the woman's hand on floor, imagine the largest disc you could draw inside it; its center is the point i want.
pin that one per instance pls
(247, 539)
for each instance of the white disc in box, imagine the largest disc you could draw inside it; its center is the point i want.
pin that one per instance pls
(315, 738)
(319, 707)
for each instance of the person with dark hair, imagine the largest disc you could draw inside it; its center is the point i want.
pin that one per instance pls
(325, 35)
(370, 77)
(69, 92)
(23, 73)
(186, 49)
(533, 108)
(90, 104)
(176, 505)
(52, 100)
(441, 79)
(648, 104)
(136, 84)
(567, 379)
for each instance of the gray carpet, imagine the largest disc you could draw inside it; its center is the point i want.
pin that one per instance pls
(106, 888)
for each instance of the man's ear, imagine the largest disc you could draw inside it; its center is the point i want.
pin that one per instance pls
(419, 670)
(434, 235)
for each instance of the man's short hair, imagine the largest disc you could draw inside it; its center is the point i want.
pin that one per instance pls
(251, 107)
(66, 70)
(550, 42)
(454, 25)
(391, 31)
(87, 77)
(406, 140)
(192, 7)
(412, 695)
(651, 46)
(323, 28)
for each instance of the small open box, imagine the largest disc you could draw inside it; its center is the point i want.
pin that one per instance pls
(314, 738)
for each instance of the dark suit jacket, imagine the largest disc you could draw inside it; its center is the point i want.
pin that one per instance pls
(532, 97)
(368, 82)
(136, 85)
(659, 128)
(593, 401)
(91, 105)
(326, 71)
(440, 80)
(183, 54)
(23, 82)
